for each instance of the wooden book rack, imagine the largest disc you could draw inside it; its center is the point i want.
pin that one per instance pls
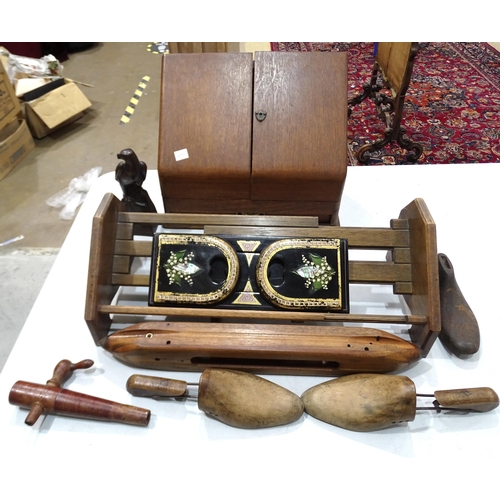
(411, 267)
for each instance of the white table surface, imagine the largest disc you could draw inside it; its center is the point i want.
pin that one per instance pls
(184, 454)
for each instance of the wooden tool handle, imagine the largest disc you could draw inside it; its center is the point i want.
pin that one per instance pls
(153, 387)
(477, 399)
(64, 369)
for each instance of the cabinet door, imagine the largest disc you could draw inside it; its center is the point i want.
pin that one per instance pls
(300, 147)
(206, 112)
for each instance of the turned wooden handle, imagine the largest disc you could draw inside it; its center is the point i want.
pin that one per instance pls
(153, 387)
(64, 369)
(481, 399)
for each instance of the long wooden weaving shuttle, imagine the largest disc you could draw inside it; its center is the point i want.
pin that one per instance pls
(276, 349)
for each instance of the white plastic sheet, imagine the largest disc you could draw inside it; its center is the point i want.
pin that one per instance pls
(70, 198)
(28, 67)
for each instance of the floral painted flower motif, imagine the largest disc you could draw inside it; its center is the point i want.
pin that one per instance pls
(179, 267)
(316, 272)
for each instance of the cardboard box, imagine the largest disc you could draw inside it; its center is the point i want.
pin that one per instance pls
(10, 107)
(15, 143)
(55, 109)
(26, 85)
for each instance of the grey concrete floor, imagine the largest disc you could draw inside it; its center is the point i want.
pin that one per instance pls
(114, 70)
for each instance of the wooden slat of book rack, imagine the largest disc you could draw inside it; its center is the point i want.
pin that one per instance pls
(411, 269)
(269, 315)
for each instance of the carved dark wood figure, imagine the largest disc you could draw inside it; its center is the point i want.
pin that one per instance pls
(131, 173)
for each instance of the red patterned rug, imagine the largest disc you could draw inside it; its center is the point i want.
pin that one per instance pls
(452, 107)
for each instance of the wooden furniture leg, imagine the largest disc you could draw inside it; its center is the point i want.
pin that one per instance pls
(393, 66)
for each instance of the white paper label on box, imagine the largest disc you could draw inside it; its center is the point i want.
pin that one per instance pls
(182, 154)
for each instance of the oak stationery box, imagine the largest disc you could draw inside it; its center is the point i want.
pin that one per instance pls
(243, 136)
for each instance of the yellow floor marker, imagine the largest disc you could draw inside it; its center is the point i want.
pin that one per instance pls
(158, 48)
(129, 111)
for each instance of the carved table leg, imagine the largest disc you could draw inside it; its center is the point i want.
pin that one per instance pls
(415, 149)
(389, 111)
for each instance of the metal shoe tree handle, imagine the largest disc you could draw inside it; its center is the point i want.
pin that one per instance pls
(459, 327)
